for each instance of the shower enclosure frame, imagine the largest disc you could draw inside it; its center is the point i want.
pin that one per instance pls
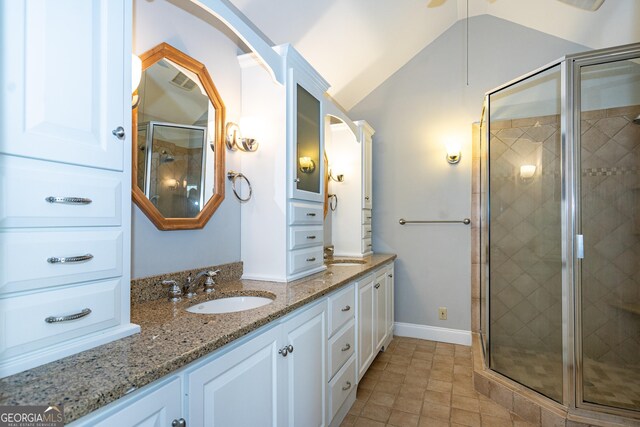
(570, 109)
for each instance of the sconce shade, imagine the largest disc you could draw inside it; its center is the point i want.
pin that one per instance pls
(307, 165)
(136, 72)
(453, 157)
(527, 171)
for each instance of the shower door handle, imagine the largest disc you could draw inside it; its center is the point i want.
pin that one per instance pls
(579, 246)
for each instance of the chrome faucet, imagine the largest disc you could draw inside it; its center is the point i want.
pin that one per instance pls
(208, 284)
(176, 292)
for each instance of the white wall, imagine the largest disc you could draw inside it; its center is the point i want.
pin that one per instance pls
(155, 251)
(414, 112)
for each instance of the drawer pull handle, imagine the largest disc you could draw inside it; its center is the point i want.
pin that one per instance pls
(346, 347)
(311, 259)
(58, 319)
(390, 275)
(69, 259)
(346, 308)
(346, 387)
(311, 214)
(369, 245)
(311, 237)
(69, 200)
(366, 197)
(368, 217)
(377, 285)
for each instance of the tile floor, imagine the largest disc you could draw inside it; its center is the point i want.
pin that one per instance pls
(424, 383)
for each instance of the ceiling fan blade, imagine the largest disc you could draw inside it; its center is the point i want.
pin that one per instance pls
(436, 3)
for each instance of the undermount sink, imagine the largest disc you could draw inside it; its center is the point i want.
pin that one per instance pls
(346, 262)
(229, 305)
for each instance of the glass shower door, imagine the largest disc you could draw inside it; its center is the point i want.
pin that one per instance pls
(609, 207)
(525, 256)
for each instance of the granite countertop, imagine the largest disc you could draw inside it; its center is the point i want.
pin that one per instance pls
(170, 339)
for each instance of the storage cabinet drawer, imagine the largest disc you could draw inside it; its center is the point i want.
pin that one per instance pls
(29, 258)
(303, 237)
(367, 246)
(27, 322)
(305, 259)
(342, 308)
(306, 213)
(40, 194)
(341, 385)
(366, 216)
(366, 231)
(341, 347)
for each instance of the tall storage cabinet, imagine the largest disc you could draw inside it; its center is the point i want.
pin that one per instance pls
(286, 210)
(65, 175)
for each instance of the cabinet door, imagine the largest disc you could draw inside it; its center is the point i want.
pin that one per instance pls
(63, 81)
(305, 367)
(365, 324)
(239, 388)
(367, 166)
(157, 407)
(380, 303)
(390, 299)
(307, 133)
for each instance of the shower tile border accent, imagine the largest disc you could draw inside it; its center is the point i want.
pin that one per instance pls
(149, 288)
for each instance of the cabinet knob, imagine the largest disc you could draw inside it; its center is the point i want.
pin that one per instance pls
(290, 348)
(346, 308)
(180, 422)
(377, 285)
(366, 197)
(390, 275)
(119, 132)
(283, 351)
(296, 180)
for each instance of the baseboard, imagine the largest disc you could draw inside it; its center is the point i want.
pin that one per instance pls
(433, 333)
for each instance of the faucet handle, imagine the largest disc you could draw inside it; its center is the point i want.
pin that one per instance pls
(188, 285)
(209, 283)
(175, 292)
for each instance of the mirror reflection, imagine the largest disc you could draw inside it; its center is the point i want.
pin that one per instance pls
(175, 168)
(178, 155)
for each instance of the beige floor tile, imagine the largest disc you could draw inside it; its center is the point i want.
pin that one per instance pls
(439, 397)
(437, 385)
(434, 410)
(365, 422)
(392, 377)
(356, 408)
(412, 391)
(367, 383)
(388, 387)
(432, 422)
(412, 406)
(348, 421)
(403, 419)
(491, 421)
(467, 418)
(376, 412)
(442, 375)
(490, 407)
(383, 399)
(467, 403)
(398, 369)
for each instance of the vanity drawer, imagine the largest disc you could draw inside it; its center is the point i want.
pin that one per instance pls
(93, 197)
(341, 347)
(367, 246)
(366, 216)
(342, 384)
(27, 258)
(366, 231)
(303, 237)
(23, 326)
(342, 308)
(306, 213)
(305, 259)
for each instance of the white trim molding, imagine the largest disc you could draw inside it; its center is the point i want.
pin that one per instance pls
(433, 333)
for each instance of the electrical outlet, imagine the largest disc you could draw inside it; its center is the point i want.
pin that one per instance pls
(442, 313)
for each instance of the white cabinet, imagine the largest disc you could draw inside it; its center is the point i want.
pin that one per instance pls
(366, 326)
(65, 176)
(287, 172)
(350, 154)
(280, 373)
(375, 315)
(63, 80)
(221, 391)
(156, 405)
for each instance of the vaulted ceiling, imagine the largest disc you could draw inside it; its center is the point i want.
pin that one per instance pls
(358, 44)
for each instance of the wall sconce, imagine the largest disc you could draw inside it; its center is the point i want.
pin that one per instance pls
(527, 172)
(337, 177)
(307, 165)
(235, 141)
(453, 155)
(136, 76)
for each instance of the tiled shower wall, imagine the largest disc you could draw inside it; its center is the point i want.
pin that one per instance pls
(610, 155)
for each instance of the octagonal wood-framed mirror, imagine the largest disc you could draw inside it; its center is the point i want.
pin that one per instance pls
(178, 148)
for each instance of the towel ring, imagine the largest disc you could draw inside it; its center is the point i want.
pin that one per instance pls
(233, 176)
(333, 202)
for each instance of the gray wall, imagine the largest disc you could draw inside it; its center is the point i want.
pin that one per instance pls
(415, 112)
(154, 251)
